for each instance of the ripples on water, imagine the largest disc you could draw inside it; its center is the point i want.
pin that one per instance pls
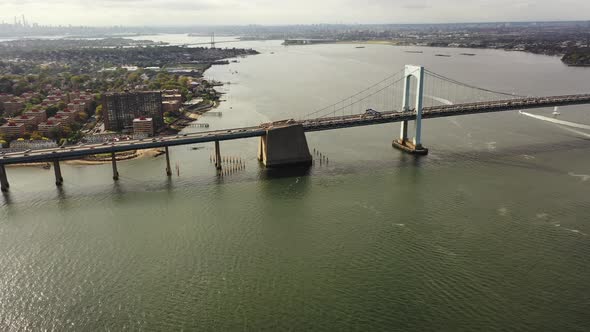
(476, 236)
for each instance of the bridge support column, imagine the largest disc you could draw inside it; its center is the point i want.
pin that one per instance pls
(59, 180)
(284, 146)
(415, 146)
(4, 185)
(217, 156)
(403, 135)
(115, 171)
(168, 169)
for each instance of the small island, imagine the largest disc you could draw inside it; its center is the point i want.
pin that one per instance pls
(578, 57)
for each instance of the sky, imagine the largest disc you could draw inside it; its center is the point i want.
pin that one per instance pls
(280, 12)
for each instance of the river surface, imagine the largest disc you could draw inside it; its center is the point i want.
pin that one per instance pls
(491, 231)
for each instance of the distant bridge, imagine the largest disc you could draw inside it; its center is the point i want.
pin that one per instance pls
(283, 143)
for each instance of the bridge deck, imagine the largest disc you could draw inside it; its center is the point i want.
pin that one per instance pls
(75, 152)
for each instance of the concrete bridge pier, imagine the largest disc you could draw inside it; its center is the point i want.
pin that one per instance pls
(284, 146)
(59, 180)
(217, 156)
(4, 185)
(168, 169)
(115, 171)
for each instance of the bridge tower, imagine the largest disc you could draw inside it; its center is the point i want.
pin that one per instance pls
(415, 146)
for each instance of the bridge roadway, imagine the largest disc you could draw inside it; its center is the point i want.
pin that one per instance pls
(319, 124)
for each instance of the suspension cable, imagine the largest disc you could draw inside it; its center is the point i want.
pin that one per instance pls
(354, 95)
(450, 80)
(362, 99)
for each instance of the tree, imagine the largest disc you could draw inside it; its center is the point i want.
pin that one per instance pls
(133, 77)
(5, 85)
(83, 116)
(61, 106)
(98, 111)
(183, 80)
(36, 136)
(51, 111)
(76, 81)
(55, 133)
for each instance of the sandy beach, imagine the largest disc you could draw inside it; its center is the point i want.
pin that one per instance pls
(137, 154)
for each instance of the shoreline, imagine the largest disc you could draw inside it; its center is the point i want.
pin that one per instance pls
(187, 118)
(137, 154)
(397, 44)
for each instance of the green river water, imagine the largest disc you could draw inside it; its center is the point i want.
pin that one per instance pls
(488, 232)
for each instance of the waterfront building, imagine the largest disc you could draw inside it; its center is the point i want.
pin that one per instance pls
(28, 95)
(30, 122)
(58, 96)
(45, 127)
(38, 114)
(47, 103)
(120, 109)
(77, 106)
(143, 125)
(12, 129)
(172, 97)
(63, 119)
(5, 97)
(170, 106)
(13, 106)
(68, 115)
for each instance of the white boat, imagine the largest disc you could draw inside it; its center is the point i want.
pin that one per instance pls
(556, 111)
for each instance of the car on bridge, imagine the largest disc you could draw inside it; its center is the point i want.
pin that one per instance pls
(372, 112)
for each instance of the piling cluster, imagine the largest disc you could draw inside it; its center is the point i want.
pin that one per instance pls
(323, 159)
(229, 165)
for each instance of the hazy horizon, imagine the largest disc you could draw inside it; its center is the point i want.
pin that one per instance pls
(178, 13)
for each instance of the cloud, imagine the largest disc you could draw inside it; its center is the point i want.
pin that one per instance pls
(193, 12)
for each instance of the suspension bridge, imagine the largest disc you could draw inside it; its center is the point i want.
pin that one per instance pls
(412, 94)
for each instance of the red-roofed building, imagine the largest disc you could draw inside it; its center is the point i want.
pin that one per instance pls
(12, 129)
(30, 122)
(170, 106)
(77, 106)
(64, 119)
(13, 106)
(40, 115)
(45, 127)
(67, 114)
(143, 125)
(5, 97)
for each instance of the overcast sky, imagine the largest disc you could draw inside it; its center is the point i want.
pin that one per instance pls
(201, 12)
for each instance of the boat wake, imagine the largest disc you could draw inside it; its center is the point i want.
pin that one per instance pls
(560, 122)
(583, 177)
(440, 100)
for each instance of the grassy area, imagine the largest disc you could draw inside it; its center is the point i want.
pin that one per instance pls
(195, 66)
(169, 119)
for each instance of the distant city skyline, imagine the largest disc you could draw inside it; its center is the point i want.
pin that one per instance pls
(284, 12)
